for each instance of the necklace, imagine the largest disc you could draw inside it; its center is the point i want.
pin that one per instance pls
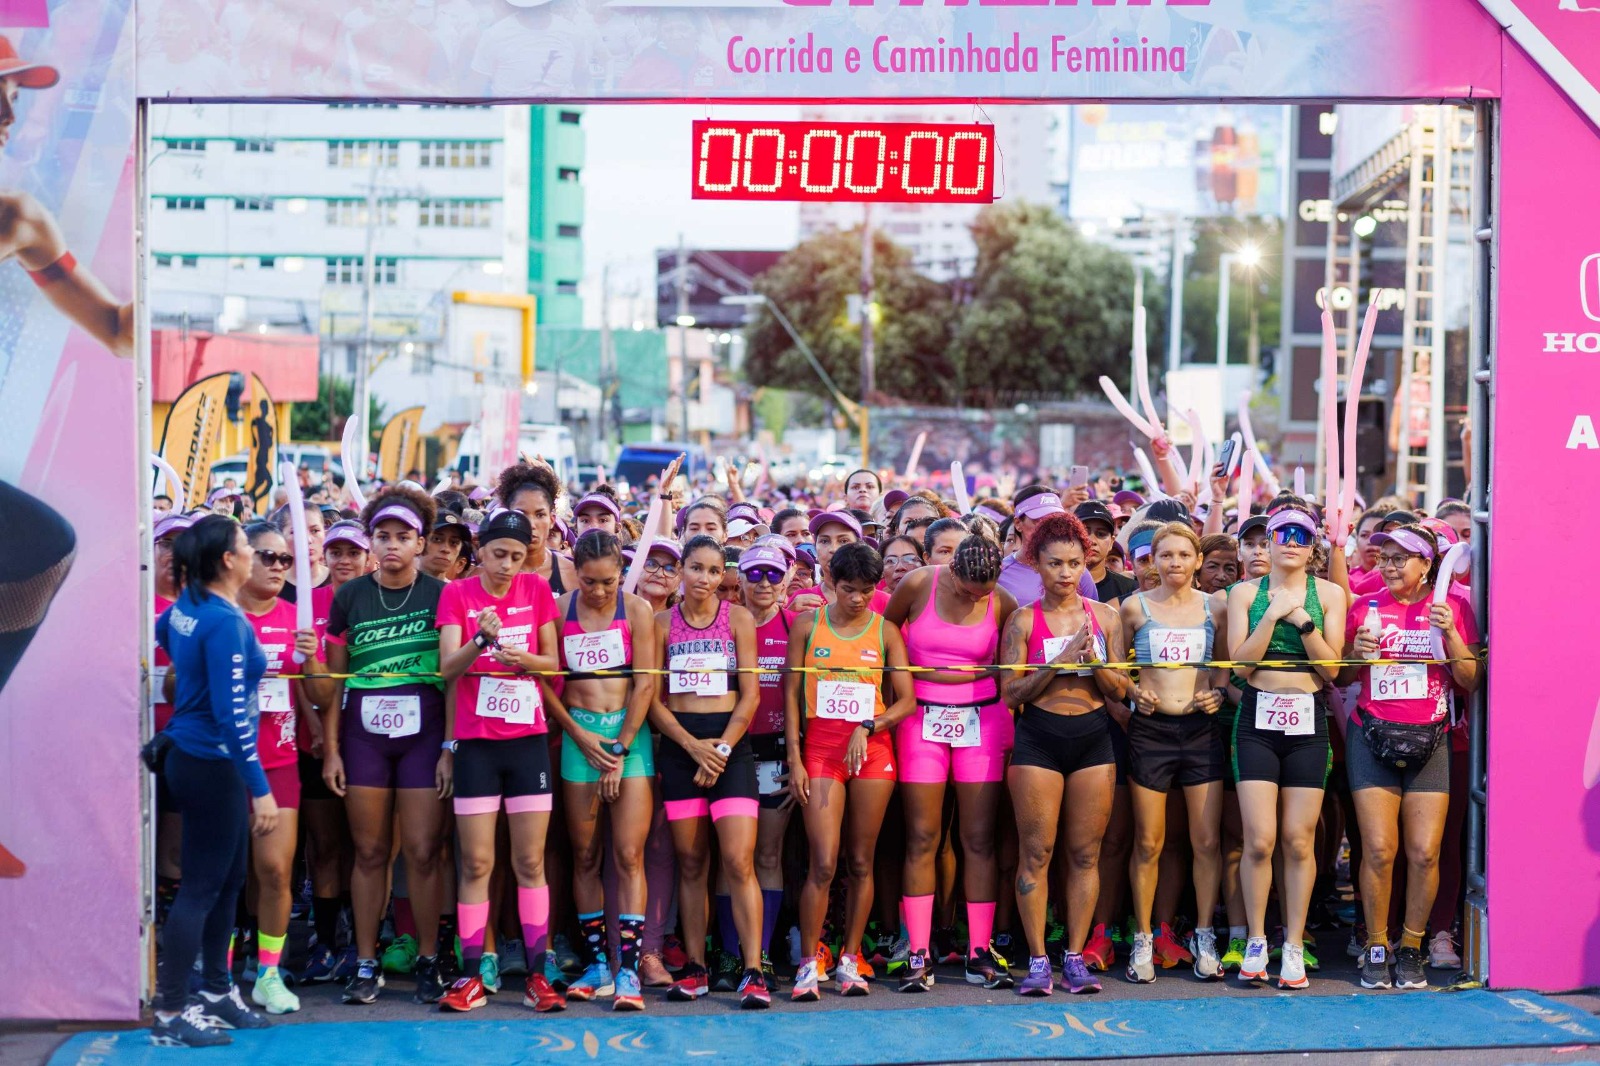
(402, 604)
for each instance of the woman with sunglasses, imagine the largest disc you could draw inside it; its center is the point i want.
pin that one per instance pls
(280, 701)
(1408, 702)
(384, 746)
(835, 684)
(764, 570)
(708, 776)
(1281, 746)
(608, 760)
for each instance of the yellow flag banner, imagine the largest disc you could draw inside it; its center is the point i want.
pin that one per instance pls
(193, 430)
(400, 447)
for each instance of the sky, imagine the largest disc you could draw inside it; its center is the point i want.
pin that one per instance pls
(636, 189)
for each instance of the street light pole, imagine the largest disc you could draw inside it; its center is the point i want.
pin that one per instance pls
(1226, 268)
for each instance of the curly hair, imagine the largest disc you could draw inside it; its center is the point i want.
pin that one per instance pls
(524, 476)
(1057, 529)
(414, 499)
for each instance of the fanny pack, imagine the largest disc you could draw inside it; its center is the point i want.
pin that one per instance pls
(1401, 745)
(154, 753)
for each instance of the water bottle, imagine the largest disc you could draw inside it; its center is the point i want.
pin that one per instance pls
(1373, 624)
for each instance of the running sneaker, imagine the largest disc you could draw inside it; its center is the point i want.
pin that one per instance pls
(900, 957)
(542, 996)
(805, 983)
(1167, 949)
(1292, 970)
(489, 972)
(1141, 961)
(1098, 954)
(768, 972)
(1040, 980)
(400, 957)
(824, 962)
(595, 982)
(188, 1028)
(1308, 952)
(851, 983)
(1203, 943)
(629, 996)
(918, 976)
(945, 947)
(272, 995)
(555, 974)
(364, 983)
(1005, 946)
(1375, 968)
(346, 966)
(1442, 954)
(1408, 969)
(1357, 946)
(513, 957)
(652, 971)
(989, 970)
(319, 966)
(1234, 956)
(874, 939)
(466, 994)
(1254, 965)
(691, 984)
(430, 982)
(451, 964)
(1075, 976)
(673, 955)
(566, 959)
(753, 992)
(229, 1011)
(864, 970)
(724, 968)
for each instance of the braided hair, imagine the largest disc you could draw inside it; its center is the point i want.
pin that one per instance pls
(977, 560)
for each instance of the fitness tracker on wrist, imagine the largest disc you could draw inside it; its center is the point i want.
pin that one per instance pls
(724, 750)
(1307, 628)
(481, 641)
(618, 748)
(871, 727)
(449, 745)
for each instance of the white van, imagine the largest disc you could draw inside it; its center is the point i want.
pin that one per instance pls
(554, 444)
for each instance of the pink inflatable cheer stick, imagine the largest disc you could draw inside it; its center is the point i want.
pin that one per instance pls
(1330, 428)
(1352, 406)
(302, 549)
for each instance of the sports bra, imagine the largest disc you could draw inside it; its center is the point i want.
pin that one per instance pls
(714, 639)
(1286, 643)
(1141, 636)
(556, 587)
(1041, 631)
(572, 627)
(933, 642)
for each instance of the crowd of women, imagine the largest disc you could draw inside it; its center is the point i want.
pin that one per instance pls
(1046, 738)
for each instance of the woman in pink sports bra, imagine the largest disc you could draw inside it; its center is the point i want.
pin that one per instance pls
(937, 742)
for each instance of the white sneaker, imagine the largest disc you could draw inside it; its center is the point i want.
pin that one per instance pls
(849, 977)
(1203, 946)
(805, 983)
(1254, 966)
(1292, 967)
(1442, 954)
(1141, 964)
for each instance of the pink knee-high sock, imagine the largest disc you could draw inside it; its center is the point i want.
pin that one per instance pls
(919, 920)
(533, 907)
(471, 920)
(980, 926)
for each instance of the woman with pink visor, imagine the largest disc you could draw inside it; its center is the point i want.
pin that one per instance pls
(952, 617)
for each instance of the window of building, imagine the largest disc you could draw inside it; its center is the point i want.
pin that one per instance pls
(455, 214)
(347, 270)
(191, 261)
(186, 203)
(183, 144)
(456, 153)
(252, 203)
(237, 262)
(268, 262)
(348, 154)
(255, 145)
(566, 288)
(163, 260)
(354, 213)
(569, 118)
(566, 229)
(567, 174)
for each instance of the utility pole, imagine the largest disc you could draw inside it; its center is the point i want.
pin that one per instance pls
(683, 336)
(360, 403)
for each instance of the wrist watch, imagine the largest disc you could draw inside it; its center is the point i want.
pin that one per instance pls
(1307, 628)
(449, 745)
(724, 750)
(618, 748)
(481, 641)
(870, 726)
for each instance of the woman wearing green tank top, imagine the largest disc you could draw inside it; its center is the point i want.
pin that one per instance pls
(1281, 750)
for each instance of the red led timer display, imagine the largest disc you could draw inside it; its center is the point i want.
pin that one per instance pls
(887, 162)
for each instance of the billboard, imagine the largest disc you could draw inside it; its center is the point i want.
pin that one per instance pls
(71, 463)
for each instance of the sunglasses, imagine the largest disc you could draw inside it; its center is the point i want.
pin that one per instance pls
(765, 575)
(654, 566)
(1298, 536)
(274, 560)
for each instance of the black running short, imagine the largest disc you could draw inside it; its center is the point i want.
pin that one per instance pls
(733, 794)
(516, 769)
(1063, 743)
(1164, 749)
(1287, 761)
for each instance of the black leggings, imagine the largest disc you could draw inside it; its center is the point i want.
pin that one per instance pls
(210, 795)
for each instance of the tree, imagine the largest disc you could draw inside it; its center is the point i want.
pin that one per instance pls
(311, 420)
(1049, 311)
(810, 285)
(1259, 288)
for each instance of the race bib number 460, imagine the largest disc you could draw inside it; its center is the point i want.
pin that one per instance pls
(513, 702)
(846, 701)
(1293, 714)
(594, 651)
(698, 675)
(392, 716)
(955, 726)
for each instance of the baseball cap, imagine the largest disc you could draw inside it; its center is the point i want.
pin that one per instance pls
(348, 531)
(894, 498)
(1039, 506)
(1139, 543)
(1398, 518)
(758, 557)
(780, 543)
(28, 75)
(449, 520)
(1443, 531)
(171, 524)
(843, 518)
(746, 510)
(1095, 511)
(1408, 541)
(738, 527)
(512, 524)
(1253, 523)
(1167, 510)
(221, 494)
(478, 493)
(1128, 498)
(670, 547)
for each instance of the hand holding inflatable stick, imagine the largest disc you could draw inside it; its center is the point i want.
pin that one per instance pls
(1457, 560)
(302, 549)
(652, 523)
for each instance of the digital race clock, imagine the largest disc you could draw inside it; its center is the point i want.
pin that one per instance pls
(904, 162)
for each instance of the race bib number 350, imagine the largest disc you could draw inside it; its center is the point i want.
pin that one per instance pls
(698, 675)
(1293, 714)
(955, 726)
(392, 716)
(513, 702)
(846, 701)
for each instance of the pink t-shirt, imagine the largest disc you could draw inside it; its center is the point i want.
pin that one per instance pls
(162, 663)
(1366, 582)
(527, 605)
(321, 603)
(276, 729)
(1406, 635)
